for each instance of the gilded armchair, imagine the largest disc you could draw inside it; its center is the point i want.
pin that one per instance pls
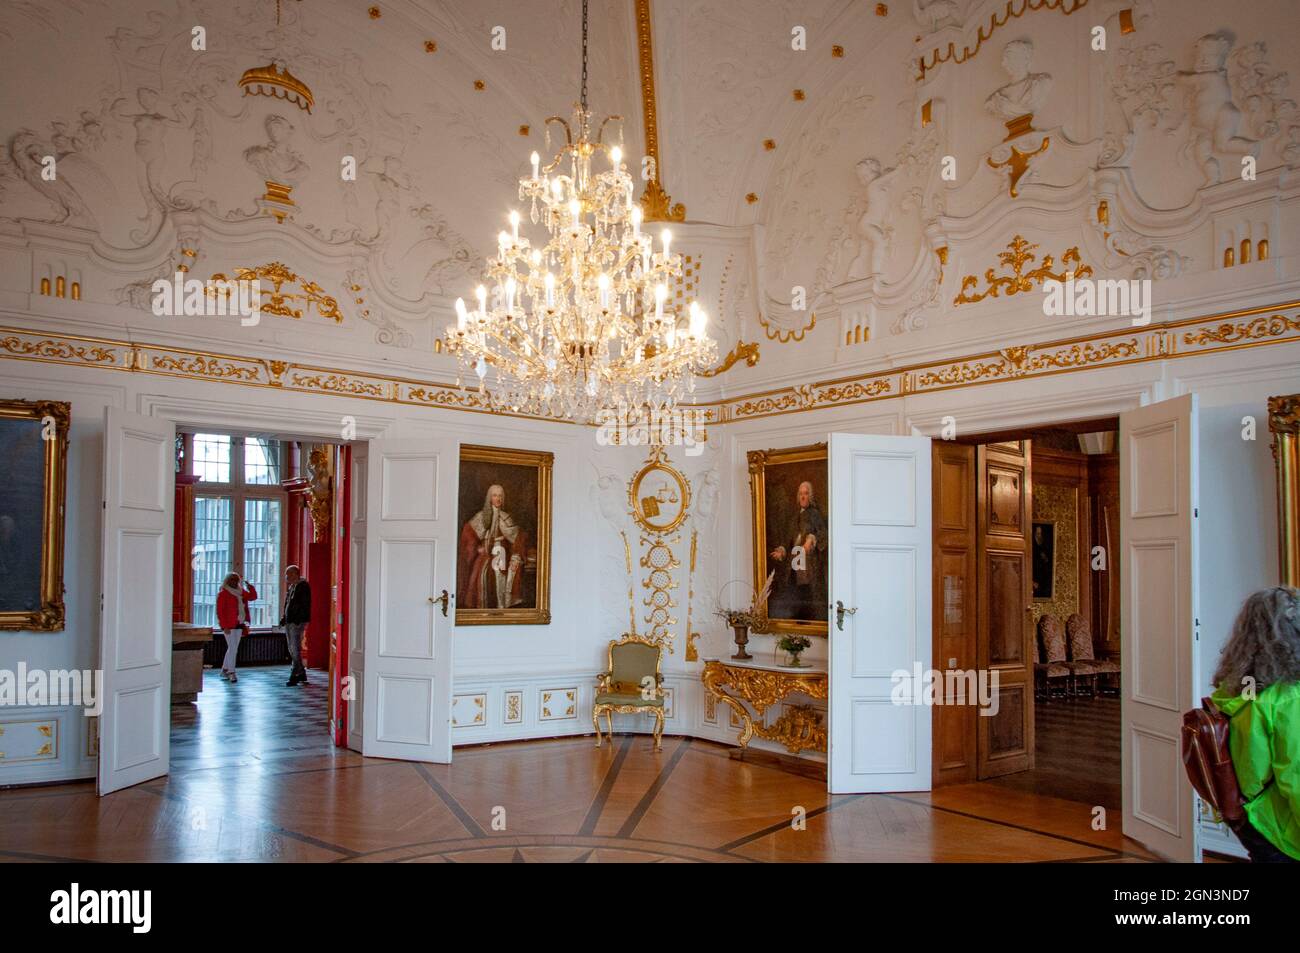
(632, 682)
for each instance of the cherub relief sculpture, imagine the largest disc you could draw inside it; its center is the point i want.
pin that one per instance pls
(1215, 119)
(1027, 91)
(869, 242)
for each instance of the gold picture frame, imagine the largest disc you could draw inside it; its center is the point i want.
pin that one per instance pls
(786, 470)
(21, 423)
(522, 474)
(1284, 423)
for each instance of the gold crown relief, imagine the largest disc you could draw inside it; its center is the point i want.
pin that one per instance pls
(275, 80)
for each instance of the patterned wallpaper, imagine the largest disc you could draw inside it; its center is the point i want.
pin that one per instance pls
(1059, 504)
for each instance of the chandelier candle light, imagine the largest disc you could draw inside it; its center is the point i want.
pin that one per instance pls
(581, 323)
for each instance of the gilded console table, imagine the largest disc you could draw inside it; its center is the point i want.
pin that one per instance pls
(800, 727)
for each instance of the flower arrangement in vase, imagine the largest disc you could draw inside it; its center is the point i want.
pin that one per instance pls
(742, 621)
(792, 646)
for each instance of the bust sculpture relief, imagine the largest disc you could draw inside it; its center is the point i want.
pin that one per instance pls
(1027, 91)
(276, 160)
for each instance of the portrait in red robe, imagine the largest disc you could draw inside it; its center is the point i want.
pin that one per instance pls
(493, 550)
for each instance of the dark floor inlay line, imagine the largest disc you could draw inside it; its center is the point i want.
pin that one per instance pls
(840, 801)
(49, 858)
(647, 799)
(993, 820)
(602, 796)
(453, 805)
(266, 826)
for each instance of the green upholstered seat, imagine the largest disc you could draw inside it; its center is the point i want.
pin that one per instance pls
(627, 698)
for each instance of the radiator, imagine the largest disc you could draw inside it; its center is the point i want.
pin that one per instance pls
(261, 648)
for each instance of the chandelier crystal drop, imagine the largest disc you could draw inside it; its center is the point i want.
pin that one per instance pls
(583, 321)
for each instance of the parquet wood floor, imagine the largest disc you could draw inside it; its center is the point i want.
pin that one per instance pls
(254, 778)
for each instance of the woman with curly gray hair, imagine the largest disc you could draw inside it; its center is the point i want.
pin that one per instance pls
(1258, 688)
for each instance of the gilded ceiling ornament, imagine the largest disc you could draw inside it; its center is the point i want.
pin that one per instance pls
(1017, 163)
(998, 19)
(741, 352)
(656, 203)
(1018, 256)
(277, 300)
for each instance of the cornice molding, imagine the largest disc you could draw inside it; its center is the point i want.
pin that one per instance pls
(1214, 333)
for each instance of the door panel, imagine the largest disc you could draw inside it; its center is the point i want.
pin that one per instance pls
(1004, 508)
(880, 567)
(953, 604)
(1158, 509)
(410, 556)
(135, 622)
(360, 456)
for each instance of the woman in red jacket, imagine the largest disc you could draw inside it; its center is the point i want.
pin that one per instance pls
(232, 616)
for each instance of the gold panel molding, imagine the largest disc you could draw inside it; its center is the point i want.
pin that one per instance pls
(655, 200)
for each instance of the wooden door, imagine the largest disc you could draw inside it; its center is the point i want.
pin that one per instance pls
(954, 613)
(1004, 509)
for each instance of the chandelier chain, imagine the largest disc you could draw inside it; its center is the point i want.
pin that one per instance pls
(584, 55)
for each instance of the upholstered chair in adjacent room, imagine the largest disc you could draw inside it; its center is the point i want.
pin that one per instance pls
(1053, 670)
(1082, 660)
(632, 683)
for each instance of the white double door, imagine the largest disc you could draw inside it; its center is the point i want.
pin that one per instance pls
(405, 526)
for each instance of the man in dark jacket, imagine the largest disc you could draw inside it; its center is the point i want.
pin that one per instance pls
(297, 613)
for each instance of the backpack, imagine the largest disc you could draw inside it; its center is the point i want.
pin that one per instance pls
(1209, 762)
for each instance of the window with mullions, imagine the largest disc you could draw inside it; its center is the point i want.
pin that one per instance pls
(239, 512)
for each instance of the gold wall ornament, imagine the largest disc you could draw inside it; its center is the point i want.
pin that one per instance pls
(320, 492)
(799, 727)
(208, 367)
(692, 654)
(1017, 163)
(1284, 424)
(659, 495)
(36, 435)
(997, 20)
(280, 302)
(656, 203)
(659, 584)
(1017, 257)
(276, 81)
(741, 352)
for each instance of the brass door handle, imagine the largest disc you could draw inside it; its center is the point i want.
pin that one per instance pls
(445, 598)
(840, 612)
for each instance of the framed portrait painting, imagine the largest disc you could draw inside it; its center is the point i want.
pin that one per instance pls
(503, 559)
(34, 447)
(791, 527)
(1044, 567)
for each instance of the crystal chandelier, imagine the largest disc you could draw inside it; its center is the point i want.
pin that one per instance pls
(582, 322)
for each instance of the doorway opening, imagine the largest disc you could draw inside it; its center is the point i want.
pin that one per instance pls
(1026, 585)
(265, 507)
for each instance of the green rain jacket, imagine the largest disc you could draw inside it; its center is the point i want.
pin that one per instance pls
(1264, 738)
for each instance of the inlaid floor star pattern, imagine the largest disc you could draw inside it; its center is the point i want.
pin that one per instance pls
(254, 778)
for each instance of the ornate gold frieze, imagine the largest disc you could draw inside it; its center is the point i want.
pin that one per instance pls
(1228, 332)
(278, 301)
(741, 352)
(339, 384)
(58, 351)
(1017, 257)
(204, 367)
(997, 20)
